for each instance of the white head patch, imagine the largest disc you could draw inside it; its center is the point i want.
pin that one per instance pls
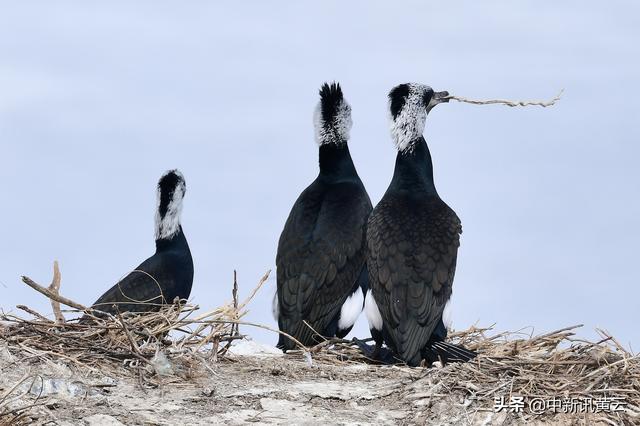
(335, 131)
(408, 125)
(171, 190)
(332, 116)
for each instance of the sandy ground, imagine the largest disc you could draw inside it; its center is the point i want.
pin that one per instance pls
(255, 385)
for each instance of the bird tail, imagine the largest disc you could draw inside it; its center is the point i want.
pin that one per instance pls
(448, 352)
(301, 332)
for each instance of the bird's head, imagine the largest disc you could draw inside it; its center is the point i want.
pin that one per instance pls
(332, 118)
(409, 105)
(171, 190)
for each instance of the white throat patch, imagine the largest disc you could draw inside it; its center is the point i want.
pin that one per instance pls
(335, 131)
(168, 226)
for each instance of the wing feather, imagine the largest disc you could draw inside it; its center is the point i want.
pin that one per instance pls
(320, 256)
(412, 249)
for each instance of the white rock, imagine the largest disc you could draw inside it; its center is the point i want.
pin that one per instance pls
(102, 420)
(247, 347)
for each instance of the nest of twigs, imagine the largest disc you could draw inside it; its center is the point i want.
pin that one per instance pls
(511, 371)
(549, 374)
(523, 375)
(176, 340)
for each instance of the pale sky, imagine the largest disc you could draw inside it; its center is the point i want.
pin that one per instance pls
(97, 101)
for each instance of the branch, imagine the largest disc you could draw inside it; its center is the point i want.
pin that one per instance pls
(51, 295)
(235, 327)
(507, 102)
(34, 313)
(134, 347)
(55, 289)
(264, 279)
(252, 324)
(553, 333)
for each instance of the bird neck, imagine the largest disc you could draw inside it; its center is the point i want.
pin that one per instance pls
(335, 162)
(414, 169)
(176, 242)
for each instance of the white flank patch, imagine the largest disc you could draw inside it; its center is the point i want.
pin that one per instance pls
(372, 312)
(167, 226)
(336, 131)
(446, 316)
(275, 308)
(351, 310)
(409, 124)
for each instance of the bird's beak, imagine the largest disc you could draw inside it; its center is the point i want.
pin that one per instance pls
(438, 98)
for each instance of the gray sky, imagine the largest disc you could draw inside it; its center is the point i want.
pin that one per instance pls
(97, 101)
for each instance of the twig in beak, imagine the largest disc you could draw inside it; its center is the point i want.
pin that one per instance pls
(507, 102)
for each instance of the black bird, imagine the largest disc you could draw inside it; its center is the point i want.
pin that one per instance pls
(321, 272)
(412, 243)
(169, 272)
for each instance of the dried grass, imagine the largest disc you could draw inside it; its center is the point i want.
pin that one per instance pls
(174, 329)
(175, 340)
(551, 366)
(179, 342)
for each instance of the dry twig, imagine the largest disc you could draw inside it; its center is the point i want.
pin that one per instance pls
(51, 295)
(550, 365)
(507, 102)
(55, 289)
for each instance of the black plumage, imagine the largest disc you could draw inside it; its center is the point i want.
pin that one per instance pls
(321, 251)
(166, 275)
(412, 242)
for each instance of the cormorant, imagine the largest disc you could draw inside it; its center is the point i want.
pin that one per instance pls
(169, 272)
(321, 271)
(412, 243)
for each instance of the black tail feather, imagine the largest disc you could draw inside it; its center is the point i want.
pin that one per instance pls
(448, 352)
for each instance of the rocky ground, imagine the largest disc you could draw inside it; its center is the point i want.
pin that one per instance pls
(256, 384)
